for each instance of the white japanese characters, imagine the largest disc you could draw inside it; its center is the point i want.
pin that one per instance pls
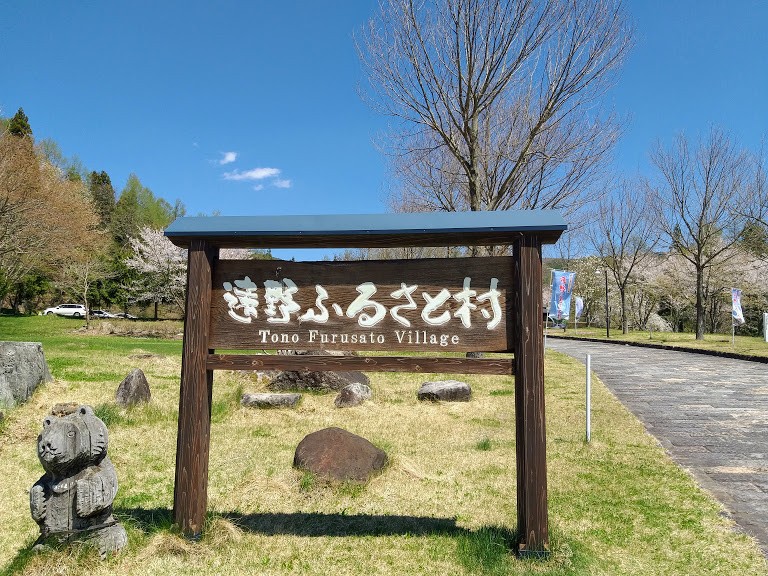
(280, 306)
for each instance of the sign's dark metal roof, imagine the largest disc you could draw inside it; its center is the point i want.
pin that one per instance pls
(369, 230)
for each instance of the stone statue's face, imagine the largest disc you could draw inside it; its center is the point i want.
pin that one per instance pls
(62, 442)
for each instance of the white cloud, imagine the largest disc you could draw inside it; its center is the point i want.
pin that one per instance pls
(279, 183)
(258, 187)
(227, 158)
(255, 174)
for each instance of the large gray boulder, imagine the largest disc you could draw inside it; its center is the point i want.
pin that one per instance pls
(317, 381)
(22, 369)
(134, 389)
(306, 380)
(445, 390)
(336, 454)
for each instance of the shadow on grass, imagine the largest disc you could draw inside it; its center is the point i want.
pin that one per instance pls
(155, 520)
(317, 524)
(488, 550)
(17, 565)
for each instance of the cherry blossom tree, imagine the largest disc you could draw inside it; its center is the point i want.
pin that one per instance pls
(161, 268)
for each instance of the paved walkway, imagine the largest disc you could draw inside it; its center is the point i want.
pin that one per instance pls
(709, 413)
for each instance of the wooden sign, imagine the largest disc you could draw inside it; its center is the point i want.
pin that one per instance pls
(435, 305)
(462, 304)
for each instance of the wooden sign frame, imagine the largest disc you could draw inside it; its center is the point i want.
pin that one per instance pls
(525, 231)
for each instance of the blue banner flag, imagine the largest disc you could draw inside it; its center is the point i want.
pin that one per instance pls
(579, 307)
(562, 286)
(738, 315)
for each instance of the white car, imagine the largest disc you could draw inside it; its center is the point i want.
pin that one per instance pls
(71, 310)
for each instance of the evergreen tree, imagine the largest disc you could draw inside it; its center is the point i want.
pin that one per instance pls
(19, 124)
(138, 207)
(126, 220)
(103, 196)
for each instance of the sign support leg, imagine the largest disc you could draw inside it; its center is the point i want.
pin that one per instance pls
(530, 429)
(190, 497)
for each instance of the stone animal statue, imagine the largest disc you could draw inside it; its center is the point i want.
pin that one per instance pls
(73, 499)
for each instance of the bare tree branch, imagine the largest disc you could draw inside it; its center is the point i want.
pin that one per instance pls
(497, 101)
(624, 236)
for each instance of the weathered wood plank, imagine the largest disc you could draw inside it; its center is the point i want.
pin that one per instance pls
(190, 497)
(433, 305)
(529, 398)
(503, 366)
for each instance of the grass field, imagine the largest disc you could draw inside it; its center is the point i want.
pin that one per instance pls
(444, 505)
(750, 345)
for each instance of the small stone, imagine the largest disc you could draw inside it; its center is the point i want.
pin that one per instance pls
(266, 400)
(353, 395)
(445, 390)
(336, 454)
(133, 389)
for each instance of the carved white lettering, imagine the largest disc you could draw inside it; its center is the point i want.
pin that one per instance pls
(362, 302)
(319, 317)
(404, 291)
(432, 305)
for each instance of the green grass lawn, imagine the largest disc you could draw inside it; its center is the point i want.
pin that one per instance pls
(444, 505)
(751, 345)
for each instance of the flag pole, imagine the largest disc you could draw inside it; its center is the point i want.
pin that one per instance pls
(546, 321)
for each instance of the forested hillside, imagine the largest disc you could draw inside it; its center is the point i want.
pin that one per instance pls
(66, 234)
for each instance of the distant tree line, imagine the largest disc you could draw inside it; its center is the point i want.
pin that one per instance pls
(65, 234)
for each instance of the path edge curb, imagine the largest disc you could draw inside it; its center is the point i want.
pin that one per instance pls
(721, 354)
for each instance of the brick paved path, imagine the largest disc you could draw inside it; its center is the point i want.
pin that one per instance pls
(709, 413)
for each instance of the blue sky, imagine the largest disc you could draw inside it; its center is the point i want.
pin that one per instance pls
(252, 107)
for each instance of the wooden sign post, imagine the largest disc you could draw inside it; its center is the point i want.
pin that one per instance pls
(432, 305)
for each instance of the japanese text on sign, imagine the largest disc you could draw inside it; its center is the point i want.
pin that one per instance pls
(280, 306)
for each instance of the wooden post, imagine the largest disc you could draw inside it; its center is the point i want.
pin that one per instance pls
(190, 498)
(530, 428)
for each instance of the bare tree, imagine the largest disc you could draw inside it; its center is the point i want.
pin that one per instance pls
(624, 236)
(754, 203)
(78, 275)
(696, 204)
(498, 102)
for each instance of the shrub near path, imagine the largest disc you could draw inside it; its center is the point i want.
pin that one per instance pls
(445, 504)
